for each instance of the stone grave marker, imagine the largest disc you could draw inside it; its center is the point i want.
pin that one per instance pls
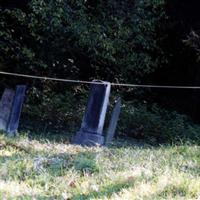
(5, 108)
(16, 110)
(91, 131)
(113, 122)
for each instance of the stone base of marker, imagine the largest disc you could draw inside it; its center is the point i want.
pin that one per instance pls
(88, 139)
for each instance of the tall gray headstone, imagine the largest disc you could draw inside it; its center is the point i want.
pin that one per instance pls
(91, 131)
(113, 122)
(16, 110)
(5, 108)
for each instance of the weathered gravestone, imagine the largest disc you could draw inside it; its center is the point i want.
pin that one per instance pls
(113, 122)
(16, 110)
(5, 108)
(91, 132)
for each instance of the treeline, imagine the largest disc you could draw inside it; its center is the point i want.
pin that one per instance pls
(83, 39)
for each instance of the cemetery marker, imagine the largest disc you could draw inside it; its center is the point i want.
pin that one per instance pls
(113, 122)
(5, 108)
(91, 131)
(16, 110)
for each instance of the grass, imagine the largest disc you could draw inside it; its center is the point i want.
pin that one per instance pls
(53, 169)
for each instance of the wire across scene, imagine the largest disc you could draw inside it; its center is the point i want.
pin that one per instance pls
(93, 82)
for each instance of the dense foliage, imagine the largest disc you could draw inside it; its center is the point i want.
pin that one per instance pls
(88, 39)
(156, 125)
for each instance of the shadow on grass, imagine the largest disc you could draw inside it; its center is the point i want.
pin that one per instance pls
(65, 137)
(107, 191)
(54, 165)
(172, 191)
(120, 142)
(62, 137)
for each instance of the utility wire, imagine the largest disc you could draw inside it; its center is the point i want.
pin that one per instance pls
(93, 82)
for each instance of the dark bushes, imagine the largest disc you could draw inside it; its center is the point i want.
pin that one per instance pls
(154, 124)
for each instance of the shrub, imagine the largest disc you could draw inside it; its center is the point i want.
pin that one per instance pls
(153, 123)
(45, 110)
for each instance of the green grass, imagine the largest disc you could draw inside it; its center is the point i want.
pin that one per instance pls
(53, 169)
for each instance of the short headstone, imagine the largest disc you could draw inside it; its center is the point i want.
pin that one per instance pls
(16, 110)
(5, 108)
(113, 122)
(91, 131)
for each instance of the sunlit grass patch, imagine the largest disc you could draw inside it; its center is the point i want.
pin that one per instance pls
(14, 189)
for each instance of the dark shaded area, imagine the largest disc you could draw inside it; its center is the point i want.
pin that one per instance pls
(22, 4)
(183, 67)
(108, 190)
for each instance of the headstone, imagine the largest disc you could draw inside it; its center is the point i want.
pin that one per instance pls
(5, 108)
(91, 132)
(16, 110)
(113, 122)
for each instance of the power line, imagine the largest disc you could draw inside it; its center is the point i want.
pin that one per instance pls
(92, 82)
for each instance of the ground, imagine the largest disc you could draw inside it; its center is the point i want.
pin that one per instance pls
(39, 168)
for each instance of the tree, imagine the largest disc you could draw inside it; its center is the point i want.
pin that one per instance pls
(112, 40)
